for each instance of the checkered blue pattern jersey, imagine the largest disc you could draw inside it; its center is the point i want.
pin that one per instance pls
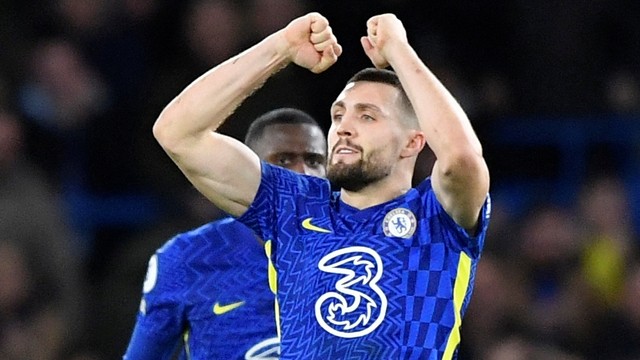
(388, 282)
(206, 296)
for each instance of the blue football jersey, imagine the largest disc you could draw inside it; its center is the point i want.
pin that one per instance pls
(388, 282)
(206, 296)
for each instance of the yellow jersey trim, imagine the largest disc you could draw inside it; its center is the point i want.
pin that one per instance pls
(185, 340)
(273, 283)
(459, 292)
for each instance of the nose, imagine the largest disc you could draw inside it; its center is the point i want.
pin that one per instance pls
(345, 127)
(298, 166)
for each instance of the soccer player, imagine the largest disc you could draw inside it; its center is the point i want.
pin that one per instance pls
(378, 269)
(206, 293)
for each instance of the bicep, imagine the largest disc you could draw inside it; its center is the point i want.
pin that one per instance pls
(223, 169)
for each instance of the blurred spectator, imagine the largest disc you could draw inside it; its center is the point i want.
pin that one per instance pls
(559, 302)
(532, 300)
(214, 31)
(519, 348)
(31, 326)
(496, 309)
(84, 17)
(623, 49)
(268, 16)
(618, 335)
(41, 286)
(611, 243)
(60, 98)
(115, 40)
(623, 92)
(81, 139)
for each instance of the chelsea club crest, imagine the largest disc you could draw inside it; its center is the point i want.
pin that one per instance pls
(400, 223)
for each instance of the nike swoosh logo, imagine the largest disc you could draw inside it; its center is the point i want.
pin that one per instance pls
(222, 309)
(306, 223)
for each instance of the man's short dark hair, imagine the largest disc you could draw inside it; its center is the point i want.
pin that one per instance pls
(273, 117)
(384, 76)
(377, 75)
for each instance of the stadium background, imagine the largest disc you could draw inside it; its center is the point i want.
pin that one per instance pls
(86, 195)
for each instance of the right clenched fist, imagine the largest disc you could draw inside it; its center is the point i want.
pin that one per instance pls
(308, 41)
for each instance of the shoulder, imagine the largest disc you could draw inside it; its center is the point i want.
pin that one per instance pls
(179, 248)
(207, 234)
(180, 254)
(287, 179)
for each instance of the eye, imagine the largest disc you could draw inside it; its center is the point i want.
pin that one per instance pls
(368, 117)
(315, 161)
(336, 117)
(283, 160)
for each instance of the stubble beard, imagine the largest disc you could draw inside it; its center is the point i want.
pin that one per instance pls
(358, 175)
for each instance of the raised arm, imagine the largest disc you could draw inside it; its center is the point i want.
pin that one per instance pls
(220, 167)
(460, 176)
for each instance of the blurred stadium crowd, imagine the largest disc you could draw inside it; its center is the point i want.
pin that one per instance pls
(86, 195)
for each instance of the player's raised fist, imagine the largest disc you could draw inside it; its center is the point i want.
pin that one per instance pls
(308, 41)
(383, 33)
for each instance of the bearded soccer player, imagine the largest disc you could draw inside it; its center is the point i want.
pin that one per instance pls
(378, 269)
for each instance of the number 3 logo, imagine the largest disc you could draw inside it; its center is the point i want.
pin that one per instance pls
(350, 312)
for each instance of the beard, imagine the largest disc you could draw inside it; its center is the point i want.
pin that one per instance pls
(357, 176)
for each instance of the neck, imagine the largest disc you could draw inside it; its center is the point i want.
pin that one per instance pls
(376, 193)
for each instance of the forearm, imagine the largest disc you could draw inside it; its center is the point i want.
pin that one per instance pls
(209, 100)
(447, 129)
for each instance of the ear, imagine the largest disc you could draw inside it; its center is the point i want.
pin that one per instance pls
(415, 143)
